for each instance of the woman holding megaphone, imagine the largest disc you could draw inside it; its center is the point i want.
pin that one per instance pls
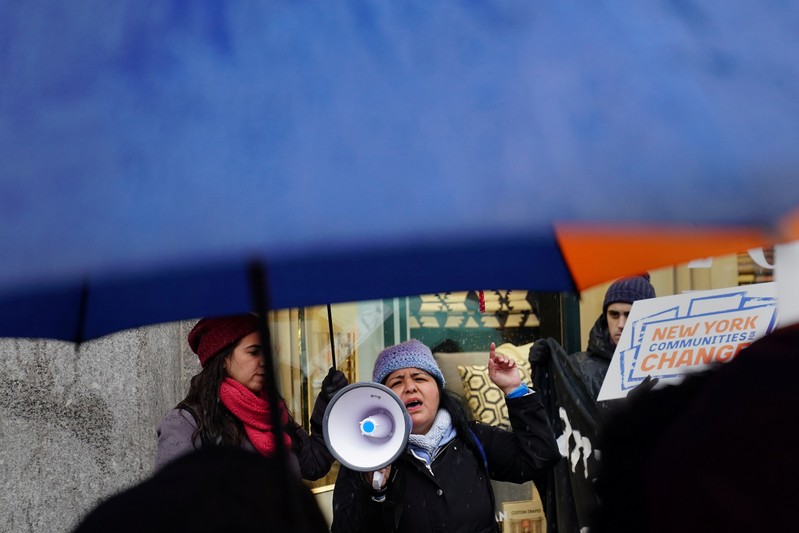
(226, 404)
(441, 481)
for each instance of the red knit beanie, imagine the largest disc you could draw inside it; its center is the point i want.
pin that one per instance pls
(211, 335)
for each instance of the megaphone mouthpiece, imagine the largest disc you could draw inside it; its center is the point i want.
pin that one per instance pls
(377, 426)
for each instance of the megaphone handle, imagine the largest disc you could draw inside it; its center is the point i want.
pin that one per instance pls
(377, 479)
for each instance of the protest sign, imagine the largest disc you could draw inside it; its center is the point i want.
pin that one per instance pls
(670, 336)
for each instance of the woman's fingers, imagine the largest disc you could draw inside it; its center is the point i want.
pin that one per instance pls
(500, 361)
(503, 362)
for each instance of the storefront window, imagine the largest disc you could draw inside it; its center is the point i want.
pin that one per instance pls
(450, 323)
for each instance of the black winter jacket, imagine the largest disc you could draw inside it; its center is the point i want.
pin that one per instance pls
(455, 494)
(594, 362)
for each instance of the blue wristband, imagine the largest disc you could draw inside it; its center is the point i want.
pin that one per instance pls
(520, 391)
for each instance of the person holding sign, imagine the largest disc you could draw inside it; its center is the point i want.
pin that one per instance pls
(605, 334)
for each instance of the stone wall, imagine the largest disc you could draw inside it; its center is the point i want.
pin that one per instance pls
(78, 425)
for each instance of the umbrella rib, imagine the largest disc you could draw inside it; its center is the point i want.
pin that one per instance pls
(80, 325)
(260, 295)
(332, 341)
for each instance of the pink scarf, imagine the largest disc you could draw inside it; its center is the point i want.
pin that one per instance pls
(255, 413)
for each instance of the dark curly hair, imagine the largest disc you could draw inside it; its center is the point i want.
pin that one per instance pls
(216, 425)
(454, 404)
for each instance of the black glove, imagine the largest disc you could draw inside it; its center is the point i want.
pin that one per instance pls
(333, 382)
(642, 388)
(539, 352)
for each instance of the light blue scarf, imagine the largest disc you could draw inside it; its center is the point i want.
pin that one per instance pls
(441, 432)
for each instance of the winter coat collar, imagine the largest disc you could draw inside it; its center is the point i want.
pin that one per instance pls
(599, 344)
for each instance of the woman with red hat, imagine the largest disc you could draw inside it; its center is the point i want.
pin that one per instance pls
(226, 404)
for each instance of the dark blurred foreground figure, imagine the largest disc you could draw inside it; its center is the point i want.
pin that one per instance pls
(716, 453)
(215, 489)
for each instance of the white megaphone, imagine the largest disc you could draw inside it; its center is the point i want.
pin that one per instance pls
(366, 426)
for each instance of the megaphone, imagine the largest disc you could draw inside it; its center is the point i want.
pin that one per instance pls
(366, 426)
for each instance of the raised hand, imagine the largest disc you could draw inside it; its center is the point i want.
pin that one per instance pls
(502, 371)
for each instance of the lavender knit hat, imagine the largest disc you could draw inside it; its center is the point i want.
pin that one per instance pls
(409, 354)
(628, 290)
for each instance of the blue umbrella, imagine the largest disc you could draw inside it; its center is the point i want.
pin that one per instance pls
(153, 155)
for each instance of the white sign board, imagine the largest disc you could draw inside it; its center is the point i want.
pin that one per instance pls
(670, 336)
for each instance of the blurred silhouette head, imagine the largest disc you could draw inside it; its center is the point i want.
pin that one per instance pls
(714, 453)
(212, 490)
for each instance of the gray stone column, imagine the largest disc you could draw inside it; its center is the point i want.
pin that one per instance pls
(77, 426)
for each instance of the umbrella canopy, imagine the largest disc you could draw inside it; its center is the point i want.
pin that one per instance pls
(149, 152)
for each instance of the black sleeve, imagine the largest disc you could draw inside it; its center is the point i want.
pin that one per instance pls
(314, 457)
(312, 453)
(527, 452)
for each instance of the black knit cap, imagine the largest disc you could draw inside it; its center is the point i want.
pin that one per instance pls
(628, 290)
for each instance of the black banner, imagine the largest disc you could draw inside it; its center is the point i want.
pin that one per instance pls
(569, 496)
